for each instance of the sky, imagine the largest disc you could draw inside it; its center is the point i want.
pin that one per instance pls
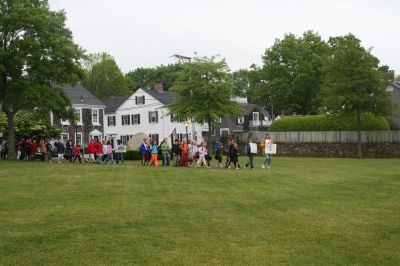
(147, 33)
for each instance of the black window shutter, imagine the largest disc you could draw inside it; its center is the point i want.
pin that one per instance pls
(136, 100)
(132, 118)
(122, 120)
(143, 99)
(129, 119)
(156, 116)
(108, 120)
(115, 120)
(149, 117)
(138, 116)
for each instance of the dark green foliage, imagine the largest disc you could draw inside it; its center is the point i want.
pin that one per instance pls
(329, 123)
(291, 75)
(204, 91)
(31, 125)
(145, 77)
(103, 76)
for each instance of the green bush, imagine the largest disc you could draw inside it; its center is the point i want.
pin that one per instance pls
(369, 122)
(134, 155)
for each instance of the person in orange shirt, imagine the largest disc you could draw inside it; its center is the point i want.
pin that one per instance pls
(184, 151)
(154, 153)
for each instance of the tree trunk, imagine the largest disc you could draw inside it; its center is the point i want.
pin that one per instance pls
(359, 145)
(209, 140)
(11, 134)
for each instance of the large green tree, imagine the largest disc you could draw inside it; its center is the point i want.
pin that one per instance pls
(145, 77)
(354, 82)
(291, 75)
(103, 77)
(36, 51)
(204, 91)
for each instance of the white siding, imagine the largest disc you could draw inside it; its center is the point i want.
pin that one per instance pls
(163, 128)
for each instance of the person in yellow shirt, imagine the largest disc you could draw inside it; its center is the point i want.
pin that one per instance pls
(262, 146)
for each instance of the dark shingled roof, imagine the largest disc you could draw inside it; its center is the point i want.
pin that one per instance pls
(78, 94)
(165, 97)
(113, 103)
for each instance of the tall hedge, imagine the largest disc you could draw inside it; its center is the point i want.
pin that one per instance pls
(369, 122)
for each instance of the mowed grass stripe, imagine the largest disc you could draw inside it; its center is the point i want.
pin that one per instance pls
(303, 211)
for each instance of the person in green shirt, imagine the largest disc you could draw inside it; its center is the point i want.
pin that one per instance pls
(165, 150)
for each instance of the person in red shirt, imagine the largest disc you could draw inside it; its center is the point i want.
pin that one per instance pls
(98, 151)
(91, 151)
(34, 146)
(77, 153)
(184, 152)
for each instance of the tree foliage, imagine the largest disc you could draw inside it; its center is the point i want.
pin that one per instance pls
(145, 77)
(353, 81)
(37, 50)
(103, 77)
(31, 124)
(204, 92)
(291, 75)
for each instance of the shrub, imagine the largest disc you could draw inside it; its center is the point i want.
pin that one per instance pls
(369, 122)
(134, 155)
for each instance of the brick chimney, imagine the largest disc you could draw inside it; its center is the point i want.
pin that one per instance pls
(158, 86)
(391, 75)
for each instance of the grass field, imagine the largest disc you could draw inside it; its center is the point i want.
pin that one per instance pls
(302, 212)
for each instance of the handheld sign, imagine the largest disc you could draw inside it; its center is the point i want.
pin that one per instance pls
(253, 147)
(270, 149)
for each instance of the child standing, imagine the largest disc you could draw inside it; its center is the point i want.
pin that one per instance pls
(203, 153)
(268, 144)
(91, 150)
(218, 156)
(77, 152)
(176, 151)
(184, 151)
(144, 152)
(165, 150)
(154, 153)
(233, 155)
(121, 149)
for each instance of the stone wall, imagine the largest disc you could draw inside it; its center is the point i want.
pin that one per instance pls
(341, 150)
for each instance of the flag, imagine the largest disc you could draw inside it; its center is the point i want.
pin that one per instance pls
(174, 133)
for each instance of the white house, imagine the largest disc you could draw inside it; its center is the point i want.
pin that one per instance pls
(145, 112)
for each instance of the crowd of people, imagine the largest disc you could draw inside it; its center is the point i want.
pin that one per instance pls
(181, 153)
(189, 153)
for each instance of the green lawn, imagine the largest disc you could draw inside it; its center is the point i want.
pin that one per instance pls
(302, 212)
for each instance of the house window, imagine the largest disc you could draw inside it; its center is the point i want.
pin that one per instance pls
(126, 121)
(95, 116)
(240, 120)
(153, 117)
(224, 132)
(78, 138)
(64, 137)
(78, 113)
(177, 119)
(154, 137)
(111, 120)
(136, 119)
(65, 122)
(124, 139)
(256, 116)
(139, 100)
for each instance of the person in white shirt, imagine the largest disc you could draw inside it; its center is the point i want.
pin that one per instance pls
(203, 152)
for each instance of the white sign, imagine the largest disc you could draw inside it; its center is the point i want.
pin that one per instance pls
(270, 149)
(253, 147)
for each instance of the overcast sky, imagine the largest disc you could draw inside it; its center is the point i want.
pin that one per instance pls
(146, 33)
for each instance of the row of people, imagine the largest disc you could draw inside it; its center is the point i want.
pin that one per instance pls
(183, 153)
